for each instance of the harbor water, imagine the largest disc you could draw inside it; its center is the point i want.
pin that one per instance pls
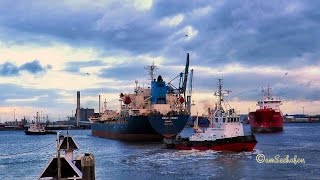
(25, 157)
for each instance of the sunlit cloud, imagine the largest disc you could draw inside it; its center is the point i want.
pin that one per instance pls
(172, 21)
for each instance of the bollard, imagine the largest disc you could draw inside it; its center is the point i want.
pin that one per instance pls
(88, 167)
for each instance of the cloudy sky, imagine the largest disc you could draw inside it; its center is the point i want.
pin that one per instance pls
(51, 49)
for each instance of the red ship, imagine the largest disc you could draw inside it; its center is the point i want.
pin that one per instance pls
(268, 118)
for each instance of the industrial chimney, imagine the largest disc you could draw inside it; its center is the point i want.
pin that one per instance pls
(78, 108)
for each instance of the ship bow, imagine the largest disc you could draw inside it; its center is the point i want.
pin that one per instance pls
(168, 126)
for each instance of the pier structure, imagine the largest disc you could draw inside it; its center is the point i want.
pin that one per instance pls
(65, 166)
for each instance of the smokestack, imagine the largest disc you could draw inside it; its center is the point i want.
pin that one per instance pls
(78, 108)
(99, 104)
(78, 99)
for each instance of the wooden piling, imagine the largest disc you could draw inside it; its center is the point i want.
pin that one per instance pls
(88, 167)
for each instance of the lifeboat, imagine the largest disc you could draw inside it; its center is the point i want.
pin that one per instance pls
(127, 100)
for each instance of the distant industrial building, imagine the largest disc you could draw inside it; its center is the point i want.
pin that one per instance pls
(85, 113)
(82, 114)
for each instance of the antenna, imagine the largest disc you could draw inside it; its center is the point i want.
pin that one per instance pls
(136, 89)
(105, 104)
(269, 92)
(151, 70)
(221, 93)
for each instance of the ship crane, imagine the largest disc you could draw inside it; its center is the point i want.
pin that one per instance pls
(183, 79)
(188, 102)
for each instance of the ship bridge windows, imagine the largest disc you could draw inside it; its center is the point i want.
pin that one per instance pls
(224, 119)
(216, 119)
(135, 112)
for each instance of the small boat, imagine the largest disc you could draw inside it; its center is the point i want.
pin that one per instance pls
(37, 128)
(225, 132)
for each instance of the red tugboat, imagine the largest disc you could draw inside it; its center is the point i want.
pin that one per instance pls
(268, 118)
(225, 132)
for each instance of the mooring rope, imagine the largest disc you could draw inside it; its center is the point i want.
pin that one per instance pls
(26, 152)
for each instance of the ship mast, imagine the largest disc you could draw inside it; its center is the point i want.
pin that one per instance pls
(262, 91)
(221, 94)
(269, 92)
(151, 70)
(105, 104)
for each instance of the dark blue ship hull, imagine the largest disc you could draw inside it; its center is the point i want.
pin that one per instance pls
(168, 126)
(133, 128)
(141, 128)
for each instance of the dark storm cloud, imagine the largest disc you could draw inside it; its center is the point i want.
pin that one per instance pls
(248, 86)
(298, 91)
(34, 67)
(47, 97)
(127, 71)
(75, 66)
(8, 69)
(249, 32)
(97, 91)
(113, 27)
(257, 33)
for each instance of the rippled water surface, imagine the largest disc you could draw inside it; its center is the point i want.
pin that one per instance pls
(121, 160)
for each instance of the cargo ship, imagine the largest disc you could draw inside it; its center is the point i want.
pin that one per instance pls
(268, 118)
(225, 131)
(148, 114)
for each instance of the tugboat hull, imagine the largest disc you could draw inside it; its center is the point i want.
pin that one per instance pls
(236, 144)
(40, 133)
